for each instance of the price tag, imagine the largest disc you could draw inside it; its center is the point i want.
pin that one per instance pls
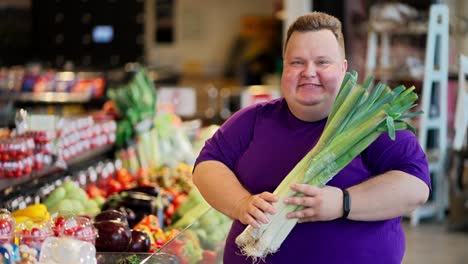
(14, 203)
(58, 182)
(92, 175)
(82, 179)
(183, 99)
(118, 164)
(257, 94)
(42, 122)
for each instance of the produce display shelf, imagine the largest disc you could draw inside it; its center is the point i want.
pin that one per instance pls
(10, 187)
(192, 245)
(47, 97)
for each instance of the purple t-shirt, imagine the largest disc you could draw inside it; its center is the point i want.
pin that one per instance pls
(262, 143)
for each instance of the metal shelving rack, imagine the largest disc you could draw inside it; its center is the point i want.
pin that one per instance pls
(11, 189)
(381, 67)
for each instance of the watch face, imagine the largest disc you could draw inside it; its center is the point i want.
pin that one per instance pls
(346, 203)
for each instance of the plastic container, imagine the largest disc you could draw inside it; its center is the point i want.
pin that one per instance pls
(12, 169)
(57, 250)
(77, 227)
(7, 227)
(41, 137)
(33, 232)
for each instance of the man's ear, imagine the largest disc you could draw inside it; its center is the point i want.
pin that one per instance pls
(345, 66)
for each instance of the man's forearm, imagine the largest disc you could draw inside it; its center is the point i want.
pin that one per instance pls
(219, 186)
(386, 196)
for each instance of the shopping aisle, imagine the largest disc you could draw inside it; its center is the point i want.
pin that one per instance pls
(431, 243)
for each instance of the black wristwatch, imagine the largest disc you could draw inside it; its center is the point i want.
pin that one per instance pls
(346, 203)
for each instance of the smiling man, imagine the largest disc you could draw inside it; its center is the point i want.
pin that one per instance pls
(356, 217)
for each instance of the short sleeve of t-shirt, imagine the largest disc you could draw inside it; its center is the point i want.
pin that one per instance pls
(404, 154)
(231, 139)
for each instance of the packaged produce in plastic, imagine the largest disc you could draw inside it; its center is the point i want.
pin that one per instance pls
(33, 232)
(77, 227)
(7, 227)
(57, 250)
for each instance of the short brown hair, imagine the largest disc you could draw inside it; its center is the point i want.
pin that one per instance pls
(316, 21)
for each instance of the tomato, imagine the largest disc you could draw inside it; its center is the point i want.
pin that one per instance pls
(110, 108)
(151, 221)
(142, 173)
(159, 242)
(144, 182)
(6, 226)
(172, 191)
(176, 248)
(178, 200)
(125, 178)
(113, 186)
(122, 173)
(169, 211)
(209, 257)
(94, 191)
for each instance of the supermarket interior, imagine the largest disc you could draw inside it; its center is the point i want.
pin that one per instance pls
(106, 105)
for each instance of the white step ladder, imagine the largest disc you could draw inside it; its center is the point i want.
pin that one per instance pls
(433, 124)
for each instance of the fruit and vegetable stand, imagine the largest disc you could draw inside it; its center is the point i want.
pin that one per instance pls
(196, 233)
(123, 197)
(200, 242)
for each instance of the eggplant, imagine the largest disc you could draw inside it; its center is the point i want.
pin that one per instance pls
(131, 216)
(137, 205)
(139, 200)
(143, 204)
(151, 190)
(112, 202)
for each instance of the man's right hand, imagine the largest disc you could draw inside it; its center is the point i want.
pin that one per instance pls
(252, 209)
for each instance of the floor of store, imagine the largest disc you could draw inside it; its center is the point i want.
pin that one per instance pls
(431, 243)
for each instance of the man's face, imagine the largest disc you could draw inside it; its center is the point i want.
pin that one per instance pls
(313, 69)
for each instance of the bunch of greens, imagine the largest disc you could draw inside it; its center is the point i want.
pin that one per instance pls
(135, 101)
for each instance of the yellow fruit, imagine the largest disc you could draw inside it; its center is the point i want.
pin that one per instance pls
(20, 219)
(33, 211)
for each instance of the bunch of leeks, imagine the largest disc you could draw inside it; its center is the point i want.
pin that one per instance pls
(359, 115)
